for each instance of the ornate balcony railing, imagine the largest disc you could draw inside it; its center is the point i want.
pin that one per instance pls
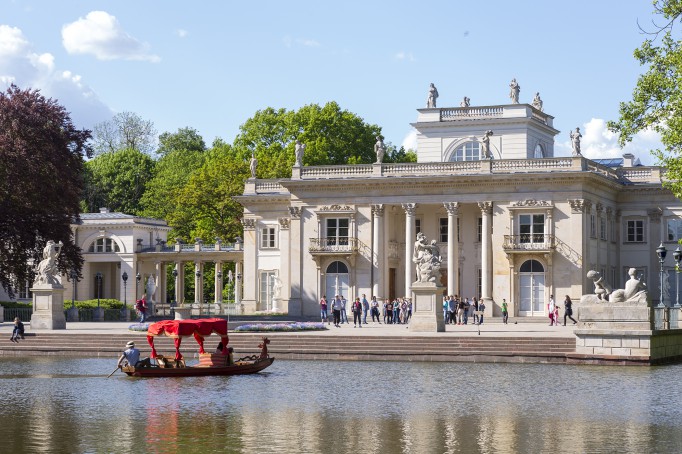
(528, 242)
(346, 245)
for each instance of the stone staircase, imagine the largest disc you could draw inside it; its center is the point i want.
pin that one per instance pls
(311, 347)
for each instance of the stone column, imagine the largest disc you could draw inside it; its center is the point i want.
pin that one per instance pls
(410, 209)
(378, 250)
(486, 250)
(295, 306)
(238, 283)
(250, 273)
(218, 282)
(198, 283)
(453, 246)
(180, 283)
(286, 261)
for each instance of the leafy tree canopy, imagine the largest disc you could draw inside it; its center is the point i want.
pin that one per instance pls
(127, 130)
(657, 98)
(186, 139)
(118, 181)
(41, 162)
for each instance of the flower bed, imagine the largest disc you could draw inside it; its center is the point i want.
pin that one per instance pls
(294, 326)
(139, 327)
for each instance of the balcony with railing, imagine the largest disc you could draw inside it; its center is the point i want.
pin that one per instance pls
(528, 242)
(333, 246)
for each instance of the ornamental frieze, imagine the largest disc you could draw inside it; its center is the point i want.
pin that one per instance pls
(249, 223)
(531, 203)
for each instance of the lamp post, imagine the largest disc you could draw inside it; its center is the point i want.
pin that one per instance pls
(175, 280)
(124, 276)
(219, 288)
(74, 279)
(98, 278)
(661, 251)
(677, 255)
(138, 278)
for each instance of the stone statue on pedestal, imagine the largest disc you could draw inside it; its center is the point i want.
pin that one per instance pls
(427, 259)
(380, 149)
(298, 153)
(514, 89)
(46, 272)
(151, 289)
(431, 100)
(537, 102)
(252, 165)
(485, 145)
(466, 102)
(575, 141)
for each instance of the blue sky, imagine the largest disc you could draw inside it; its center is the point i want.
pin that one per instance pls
(211, 65)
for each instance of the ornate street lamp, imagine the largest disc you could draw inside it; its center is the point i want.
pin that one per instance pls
(98, 278)
(74, 280)
(661, 251)
(677, 255)
(175, 279)
(124, 276)
(138, 278)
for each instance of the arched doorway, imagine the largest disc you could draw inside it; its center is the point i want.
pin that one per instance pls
(337, 280)
(531, 288)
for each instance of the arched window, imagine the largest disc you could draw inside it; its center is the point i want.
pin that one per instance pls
(337, 267)
(337, 279)
(539, 151)
(532, 266)
(531, 288)
(469, 151)
(104, 245)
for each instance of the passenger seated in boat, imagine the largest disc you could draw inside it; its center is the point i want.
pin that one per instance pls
(219, 348)
(131, 357)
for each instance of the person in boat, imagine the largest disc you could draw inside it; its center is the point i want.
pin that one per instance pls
(131, 357)
(230, 352)
(18, 330)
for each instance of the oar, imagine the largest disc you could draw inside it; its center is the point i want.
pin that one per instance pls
(117, 367)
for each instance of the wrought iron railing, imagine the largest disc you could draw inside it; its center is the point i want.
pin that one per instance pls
(331, 245)
(528, 242)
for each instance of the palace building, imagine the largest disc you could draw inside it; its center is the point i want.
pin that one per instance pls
(511, 220)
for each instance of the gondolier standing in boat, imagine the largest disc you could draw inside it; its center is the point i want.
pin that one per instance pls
(131, 356)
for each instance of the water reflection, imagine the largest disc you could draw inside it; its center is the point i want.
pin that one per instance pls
(339, 407)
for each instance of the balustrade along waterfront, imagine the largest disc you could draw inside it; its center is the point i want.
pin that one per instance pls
(67, 405)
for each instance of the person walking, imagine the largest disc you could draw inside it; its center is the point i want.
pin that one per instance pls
(365, 308)
(336, 310)
(505, 312)
(357, 313)
(141, 306)
(550, 310)
(344, 314)
(323, 310)
(568, 310)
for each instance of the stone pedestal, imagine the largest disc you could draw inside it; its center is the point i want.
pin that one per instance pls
(183, 313)
(276, 305)
(427, 311)
(2, 314)
(98, 314)
(125, 314)
(48, 307)
(72, 314)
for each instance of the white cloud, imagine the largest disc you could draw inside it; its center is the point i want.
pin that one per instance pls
(410, 141)
(21, 65)
(308, 42)
(181, 32)
(600, 143)
(404, 56)
(289, 42)
(101, 35)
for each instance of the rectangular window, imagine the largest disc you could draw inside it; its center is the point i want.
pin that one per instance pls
(634, 231)
(532, 228)
(24, 293)
(612, 230)
(267, 238)
(337, 231)
(266, 287)
(593, 227)
(443, 230)
(479, 229)
(602, 229)
(417, 226)
(674, 229)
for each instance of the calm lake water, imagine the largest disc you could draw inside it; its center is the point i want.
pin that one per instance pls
(67, 405)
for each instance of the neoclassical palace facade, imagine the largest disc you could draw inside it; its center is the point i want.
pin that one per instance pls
(515, 223)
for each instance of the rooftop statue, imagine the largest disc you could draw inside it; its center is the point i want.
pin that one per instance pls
(537, 102)
(46, 272)
(431, 100)
(298, 152)
(514, 89)
(427, 259)
(466, 102)
(575, 141)
(485, 145)
(252, 165)
(380, 149)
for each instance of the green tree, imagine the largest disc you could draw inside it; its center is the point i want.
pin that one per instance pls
(331, 136)
(126, 130)
(657, 98)
(41, 161)
(118, 181)
(186, 139)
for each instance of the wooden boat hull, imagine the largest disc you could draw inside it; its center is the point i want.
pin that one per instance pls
(239, 368)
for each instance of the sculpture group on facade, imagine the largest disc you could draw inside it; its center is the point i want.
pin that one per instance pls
(514, 89)
(380, 149)
(635, 290)
(46, 271)
(466, 102)
(485, 145)
(575, 141)
(433, 95)
(537, 102)
(252, 165)
(298, 153)
(427, 259)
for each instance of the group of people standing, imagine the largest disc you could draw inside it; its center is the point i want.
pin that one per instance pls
(394, 311)
(457, 311)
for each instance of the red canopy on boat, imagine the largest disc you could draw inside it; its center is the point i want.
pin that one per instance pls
(178, 329)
